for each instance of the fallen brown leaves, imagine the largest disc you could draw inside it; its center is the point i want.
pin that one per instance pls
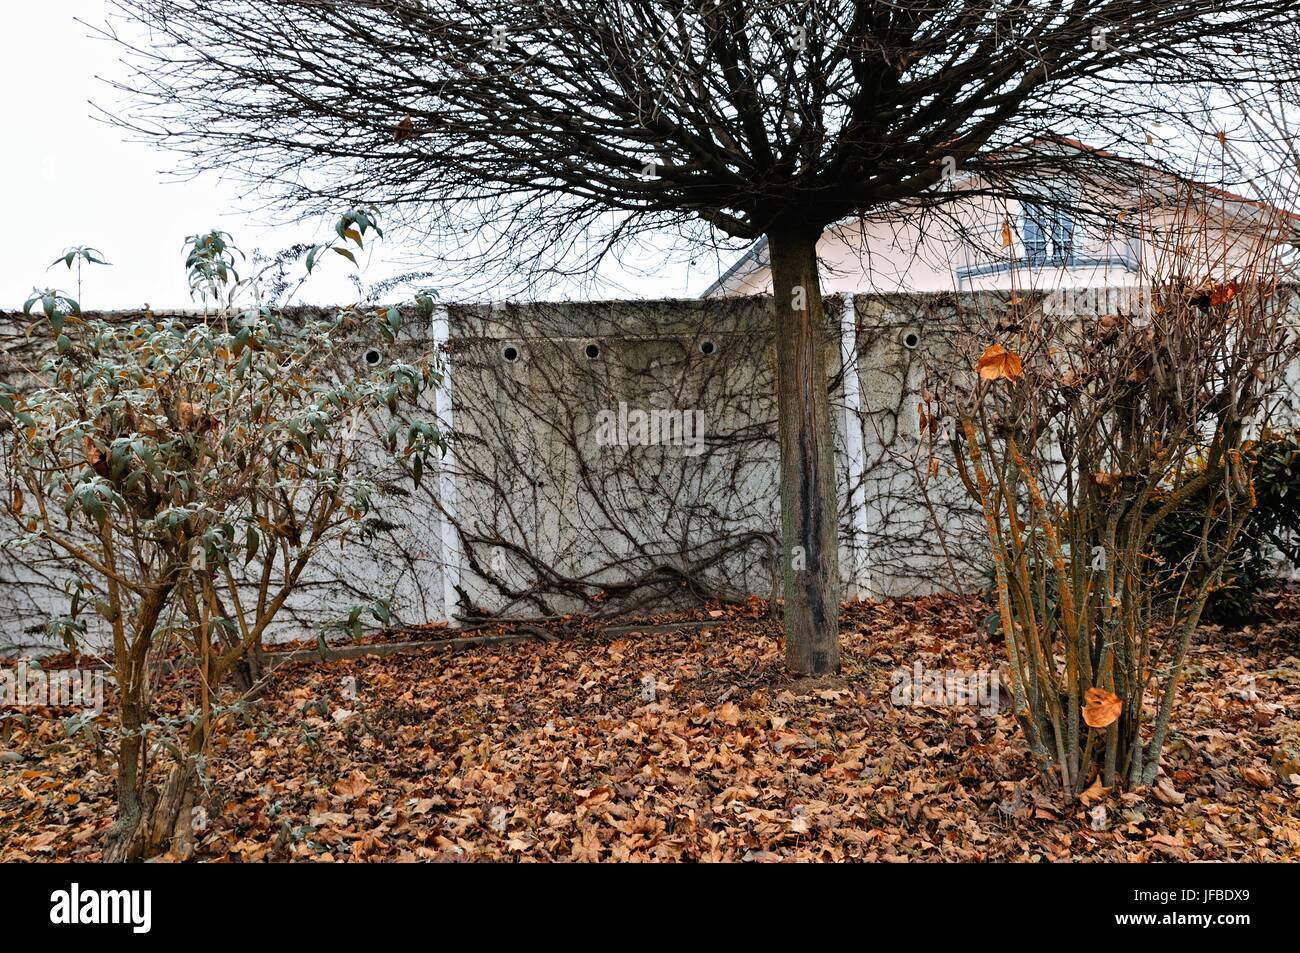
(549, 751)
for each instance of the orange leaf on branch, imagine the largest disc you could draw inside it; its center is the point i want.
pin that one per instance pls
(997, 363)
(1106, 480)
(1100, 707)
(193, 417)
(1222, 294)
(93, 456)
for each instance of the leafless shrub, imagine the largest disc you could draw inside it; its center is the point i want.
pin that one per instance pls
(1079, 439)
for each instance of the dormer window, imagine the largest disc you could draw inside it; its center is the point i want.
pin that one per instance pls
(1047, 232)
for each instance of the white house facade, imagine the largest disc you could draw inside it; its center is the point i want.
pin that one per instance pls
(981, 243)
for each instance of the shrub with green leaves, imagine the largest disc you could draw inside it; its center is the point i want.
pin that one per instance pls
(1276, 458)
(1272, 529)
(187, 474)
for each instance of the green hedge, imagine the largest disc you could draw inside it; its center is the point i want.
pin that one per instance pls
(1273, 526)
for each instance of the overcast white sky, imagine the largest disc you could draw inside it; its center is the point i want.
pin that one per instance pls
(67, 179)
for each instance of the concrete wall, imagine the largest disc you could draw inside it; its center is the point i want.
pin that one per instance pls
(536, 512)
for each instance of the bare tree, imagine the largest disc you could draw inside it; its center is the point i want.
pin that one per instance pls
(552, 133)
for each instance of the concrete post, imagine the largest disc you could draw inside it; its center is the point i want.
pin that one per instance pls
(449, 541)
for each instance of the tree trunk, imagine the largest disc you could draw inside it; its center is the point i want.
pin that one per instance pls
(124, 838)
(151, 821)
(156, 821)
(810, 548)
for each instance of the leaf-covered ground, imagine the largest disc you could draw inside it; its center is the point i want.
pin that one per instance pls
(548, 751)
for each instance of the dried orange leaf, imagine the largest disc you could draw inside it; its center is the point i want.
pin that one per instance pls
(1095, 792)
(997, 363)
(192, 416)
(1222, 294)
(1100, 707)
(1257, 778)
(1105, 480)
(93, 456)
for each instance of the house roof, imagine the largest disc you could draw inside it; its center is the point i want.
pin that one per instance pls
(753, 256)
(1180, 179)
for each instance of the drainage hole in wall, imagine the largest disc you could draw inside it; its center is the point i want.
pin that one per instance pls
(592, 351)
(373, 358)
(911, 339)
(707, 347)
(510, 353)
